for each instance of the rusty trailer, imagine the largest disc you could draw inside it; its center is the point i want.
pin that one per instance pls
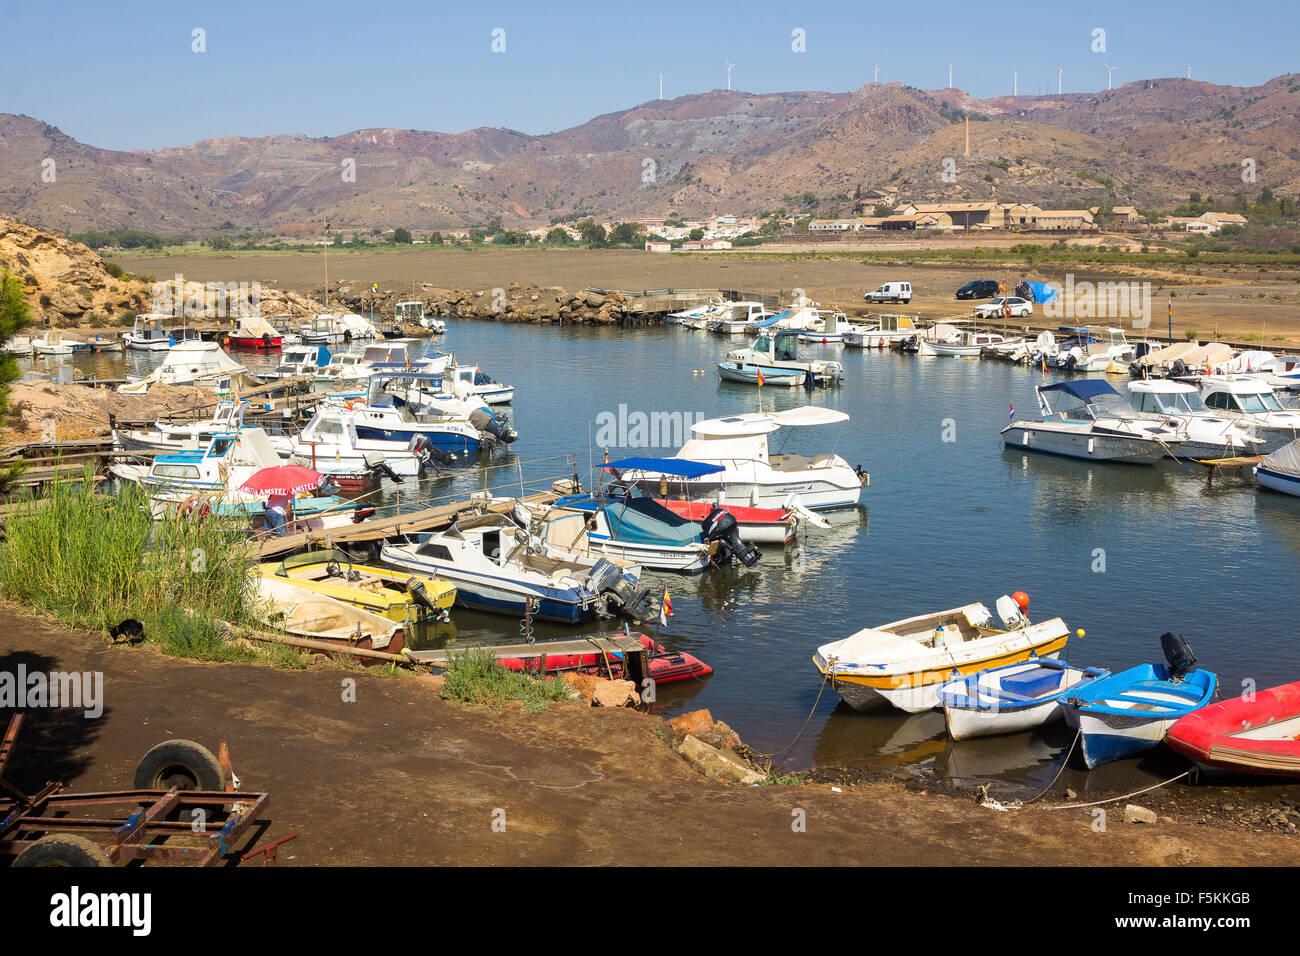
(173, 825)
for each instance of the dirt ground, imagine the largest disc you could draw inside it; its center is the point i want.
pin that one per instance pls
(1244, 306)
(41, 409)
(402, 777)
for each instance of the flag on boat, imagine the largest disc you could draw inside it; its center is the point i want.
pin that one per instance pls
(665, 609)
(1013, 411)
(760, 377)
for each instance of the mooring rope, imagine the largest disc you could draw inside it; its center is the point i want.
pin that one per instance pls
(826, 676)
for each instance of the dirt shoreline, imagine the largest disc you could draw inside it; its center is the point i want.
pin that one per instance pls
(1247, 305)
(401, 777)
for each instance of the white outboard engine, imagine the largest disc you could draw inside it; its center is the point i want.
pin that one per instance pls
(720, 526)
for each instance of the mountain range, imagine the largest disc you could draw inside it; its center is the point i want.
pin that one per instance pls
(1148, 143)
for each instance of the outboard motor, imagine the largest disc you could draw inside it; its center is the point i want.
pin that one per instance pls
(442, 456)
(1179, 368)
(720, 526)
(362, 513)
(1178, 653)
(419, 595)
(485, 421)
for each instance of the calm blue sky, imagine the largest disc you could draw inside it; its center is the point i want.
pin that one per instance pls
(122, 75)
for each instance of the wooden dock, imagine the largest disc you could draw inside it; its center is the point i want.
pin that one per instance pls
(381, 529)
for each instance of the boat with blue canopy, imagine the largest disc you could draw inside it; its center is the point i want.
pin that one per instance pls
(1098, 426)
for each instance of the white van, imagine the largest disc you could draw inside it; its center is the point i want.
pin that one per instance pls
(891, 292)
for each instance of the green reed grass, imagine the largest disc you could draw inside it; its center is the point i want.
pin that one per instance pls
(473, 677)
(92, 559)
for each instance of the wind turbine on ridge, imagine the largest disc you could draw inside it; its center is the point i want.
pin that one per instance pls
(730, 66)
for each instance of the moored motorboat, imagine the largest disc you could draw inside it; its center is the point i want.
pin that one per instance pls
(773, 358)
(1257, 733)
(750, 474)
(904, 663)
(1011, 698)
(1099, 427)
(1130, 712)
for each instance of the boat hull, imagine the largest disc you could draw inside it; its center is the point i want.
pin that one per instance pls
(1083, 444)
(1275, 480)
(1255, 736)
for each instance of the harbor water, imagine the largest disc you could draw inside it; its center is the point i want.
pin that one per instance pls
(1124, 553)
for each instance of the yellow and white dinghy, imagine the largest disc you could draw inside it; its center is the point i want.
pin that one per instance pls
(903, 664)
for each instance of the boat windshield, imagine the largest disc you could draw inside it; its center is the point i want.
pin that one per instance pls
(1256, 402)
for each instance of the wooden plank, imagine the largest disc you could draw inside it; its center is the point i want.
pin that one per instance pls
(621, 644)
(377, 529)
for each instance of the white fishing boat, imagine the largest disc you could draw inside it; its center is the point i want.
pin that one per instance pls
(1251, 403)
(829, 328)
(904, 663)
(775, 358)
(1099, 427)
(1207, 435)
(149, 333)
(496, 566)
(967, 343)
(751, 475)
(883, 331)
(331, 436)
(227, 418)
(193, 362)
(296, 360)
(55, 342)
(734, 318)
(220, 466)
(1012, 698)
(705, 311)
(462, 380)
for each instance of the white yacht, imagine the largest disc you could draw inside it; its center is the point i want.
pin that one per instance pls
(332, 436)
(754, 477)
(1247, 400)
(1100, 427)
(1208, 435)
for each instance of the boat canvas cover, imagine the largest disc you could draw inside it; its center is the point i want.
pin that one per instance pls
(1285, 461)
(254, 327)
(1215, 353)
(809, 415)
(1086, 390)
(1169, 354)
(676, 467)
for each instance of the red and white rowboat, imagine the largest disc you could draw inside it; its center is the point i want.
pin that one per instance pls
(1258, 736)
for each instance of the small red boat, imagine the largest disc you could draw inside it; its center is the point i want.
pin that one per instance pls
(665, 666)
(756, 525)
(1259, 735)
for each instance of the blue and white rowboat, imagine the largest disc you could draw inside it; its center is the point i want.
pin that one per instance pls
(1131, 712)
(1012, 698)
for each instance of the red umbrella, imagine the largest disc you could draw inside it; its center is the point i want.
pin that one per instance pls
(282, 480)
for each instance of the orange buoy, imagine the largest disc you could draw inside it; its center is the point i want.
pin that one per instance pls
(1022, 599)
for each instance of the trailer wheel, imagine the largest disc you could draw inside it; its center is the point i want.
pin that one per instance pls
(179, 763)
(63, 849)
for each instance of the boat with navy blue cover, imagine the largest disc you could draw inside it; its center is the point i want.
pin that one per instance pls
(1100, 426)
(1130, 712)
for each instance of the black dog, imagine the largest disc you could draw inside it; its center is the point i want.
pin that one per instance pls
(129, 631)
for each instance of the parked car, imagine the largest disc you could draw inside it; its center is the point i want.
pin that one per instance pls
(995, 308)
(979, 289)
(891, 292)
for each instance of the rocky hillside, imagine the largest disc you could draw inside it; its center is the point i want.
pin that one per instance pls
(66, 282)
(1148, 143)
(69, 284)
